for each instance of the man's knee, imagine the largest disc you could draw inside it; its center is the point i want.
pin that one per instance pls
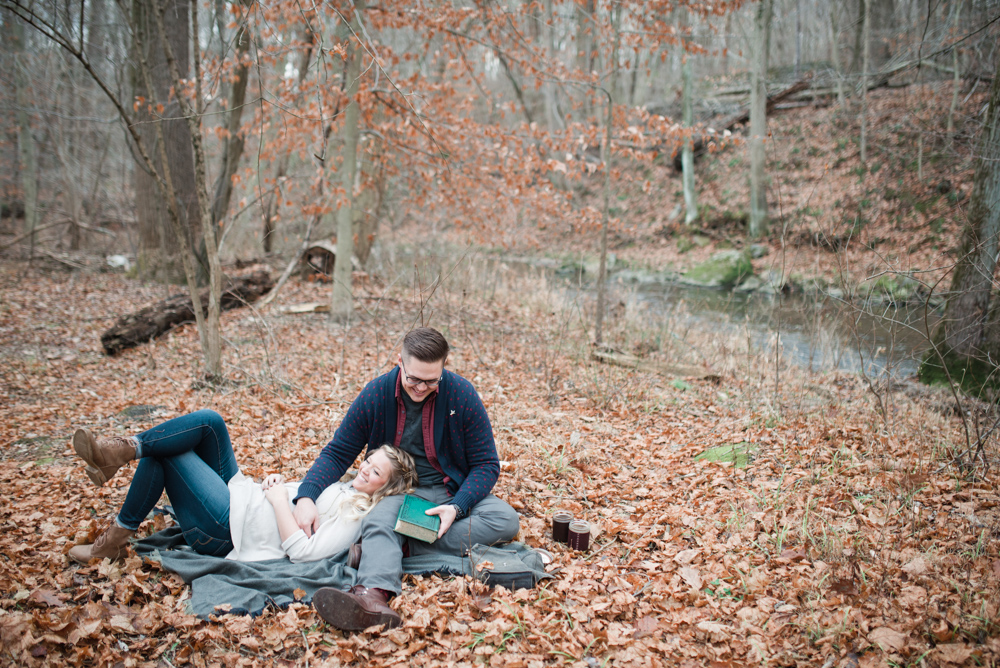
(510, 523)
(502, 520)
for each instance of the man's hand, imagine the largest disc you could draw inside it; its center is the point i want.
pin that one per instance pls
(306, 515)
(447, 514)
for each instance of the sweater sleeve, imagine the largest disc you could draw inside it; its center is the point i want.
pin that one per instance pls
(335, 533)
(348, 441)
(480, 452)
(331, 538)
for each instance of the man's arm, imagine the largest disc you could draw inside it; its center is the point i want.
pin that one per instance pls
(480, 455)
(335, 458)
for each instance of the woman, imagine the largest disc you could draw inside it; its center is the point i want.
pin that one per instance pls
(220, 512)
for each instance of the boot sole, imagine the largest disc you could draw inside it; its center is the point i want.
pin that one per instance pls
(342, 611)
(83, 443)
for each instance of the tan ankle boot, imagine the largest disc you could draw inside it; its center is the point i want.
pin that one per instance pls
(112, 544)
(105, 456)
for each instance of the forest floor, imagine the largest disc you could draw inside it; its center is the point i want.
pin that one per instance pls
(860, 532)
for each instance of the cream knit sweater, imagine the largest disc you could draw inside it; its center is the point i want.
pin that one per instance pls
(254, 529)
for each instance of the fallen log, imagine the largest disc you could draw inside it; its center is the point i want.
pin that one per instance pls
(742, 117)
(136, 328)
(628, 361)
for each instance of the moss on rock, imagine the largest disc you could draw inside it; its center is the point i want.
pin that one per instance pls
(723, 270)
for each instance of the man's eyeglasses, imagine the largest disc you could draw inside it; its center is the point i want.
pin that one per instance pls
(410, 380)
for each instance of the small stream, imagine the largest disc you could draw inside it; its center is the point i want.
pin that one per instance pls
(816, 332)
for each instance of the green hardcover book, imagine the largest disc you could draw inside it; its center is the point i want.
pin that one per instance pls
(412, 520)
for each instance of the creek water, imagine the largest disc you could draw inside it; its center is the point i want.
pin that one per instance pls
(815, 331)
(818, 332)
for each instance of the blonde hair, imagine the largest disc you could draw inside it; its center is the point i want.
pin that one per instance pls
(402, 480)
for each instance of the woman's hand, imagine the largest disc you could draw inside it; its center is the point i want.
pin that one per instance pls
(272, 480)
(274, 489)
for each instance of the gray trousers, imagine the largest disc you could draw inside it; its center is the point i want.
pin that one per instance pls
(490, 521)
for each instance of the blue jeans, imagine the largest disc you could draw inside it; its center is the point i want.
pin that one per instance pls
(191, 458)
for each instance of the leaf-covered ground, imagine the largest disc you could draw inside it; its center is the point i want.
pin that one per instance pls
(849, 538)
(833, 220)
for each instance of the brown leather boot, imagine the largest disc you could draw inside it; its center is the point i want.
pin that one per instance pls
(354, 556)
(112, 544)
(356, 609)
(105, 456)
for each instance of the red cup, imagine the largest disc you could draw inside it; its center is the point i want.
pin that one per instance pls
(561, 520)
(579, 535)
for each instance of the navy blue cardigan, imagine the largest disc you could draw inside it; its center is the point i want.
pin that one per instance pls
(463, 438)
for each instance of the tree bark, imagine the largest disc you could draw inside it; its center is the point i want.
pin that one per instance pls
(858, 36)
(585, 26)
(687, 155)
(838, 70)
(865, 65)
(271, 202)
(967, 342)
(341, 305)
(232, 145)
(758, 121)
(210, 328)
(954, 66)
(553, 117)
(602, 270)
(159, 253)
(25, 139)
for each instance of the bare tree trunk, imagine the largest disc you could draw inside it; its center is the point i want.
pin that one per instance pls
(553, 117)
(211, 335)
(968, 339)
(232, 145)
(585, 38)
(25, 139)
(369, 204)
(838, 70)
(341, 306)
(687, 155)
(758, 121)
(159, 248)
(271, 202)
(954, 66)
(865, 64)
(602, 270)
(798, 37)
(859, 36)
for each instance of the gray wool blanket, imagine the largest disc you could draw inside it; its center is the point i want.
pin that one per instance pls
(248, 587)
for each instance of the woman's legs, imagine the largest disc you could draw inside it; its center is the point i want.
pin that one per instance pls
(202, 432)
(191, 457)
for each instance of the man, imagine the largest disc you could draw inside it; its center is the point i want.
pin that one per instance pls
(438, 418)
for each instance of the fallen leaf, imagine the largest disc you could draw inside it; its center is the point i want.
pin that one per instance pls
(685, 557)
(47, 597)
(957, 653)
(122, 624)
(691, 576)
(917, 566)
(888, 639)
(645, 626)
(790, 555)
(717, 631)
(913, 597)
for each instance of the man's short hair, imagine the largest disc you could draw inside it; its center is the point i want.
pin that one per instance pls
(425, 344)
